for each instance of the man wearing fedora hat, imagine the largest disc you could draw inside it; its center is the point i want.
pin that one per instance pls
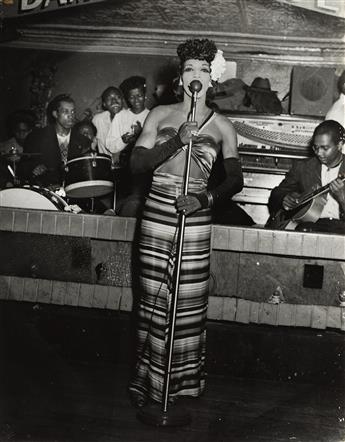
(261, 97)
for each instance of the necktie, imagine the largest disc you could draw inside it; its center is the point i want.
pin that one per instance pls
(64, 151)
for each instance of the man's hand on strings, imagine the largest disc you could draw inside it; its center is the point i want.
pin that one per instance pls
(337, 189)
(291, 200)
(187, 204)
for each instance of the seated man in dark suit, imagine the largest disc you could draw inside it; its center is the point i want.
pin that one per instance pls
(325, 168)
(49, 145)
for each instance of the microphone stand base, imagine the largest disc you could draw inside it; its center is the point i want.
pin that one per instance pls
(174, 417)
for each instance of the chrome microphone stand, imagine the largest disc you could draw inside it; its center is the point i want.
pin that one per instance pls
(175, 417)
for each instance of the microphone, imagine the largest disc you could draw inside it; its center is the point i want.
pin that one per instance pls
(195, 86)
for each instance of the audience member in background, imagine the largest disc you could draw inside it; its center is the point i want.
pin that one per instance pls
(49, 145)
(127, 127)
(112, 103)
(20, 123)
(134, 91)
(124, 131)
(260, 98)
(79, 146)
(337, 111)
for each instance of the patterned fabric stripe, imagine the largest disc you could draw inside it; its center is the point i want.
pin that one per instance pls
(158, 240)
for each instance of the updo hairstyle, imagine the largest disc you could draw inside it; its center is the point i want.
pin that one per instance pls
(196, 49)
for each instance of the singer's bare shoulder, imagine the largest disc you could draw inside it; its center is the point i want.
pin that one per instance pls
(167, 115)
(164, 110)
(155, 116)
(228, 136)
(224, 123)
(158, 117)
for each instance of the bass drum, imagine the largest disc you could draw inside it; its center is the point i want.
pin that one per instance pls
(31, 198)
(88, 177)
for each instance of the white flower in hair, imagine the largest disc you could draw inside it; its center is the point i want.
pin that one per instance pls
(218, 65)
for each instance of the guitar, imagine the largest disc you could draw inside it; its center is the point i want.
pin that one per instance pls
(308, 209)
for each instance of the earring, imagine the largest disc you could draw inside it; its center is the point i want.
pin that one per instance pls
(180, 82)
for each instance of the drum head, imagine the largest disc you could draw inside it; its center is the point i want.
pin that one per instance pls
(89, 189)
(31, 198)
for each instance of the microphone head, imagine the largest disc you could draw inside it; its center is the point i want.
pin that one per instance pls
(195, 86)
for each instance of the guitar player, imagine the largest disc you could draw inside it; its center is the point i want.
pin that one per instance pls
(326, 168)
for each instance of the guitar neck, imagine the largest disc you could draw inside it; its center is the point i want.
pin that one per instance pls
(320, 191)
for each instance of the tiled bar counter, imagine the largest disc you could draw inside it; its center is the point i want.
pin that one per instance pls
(89, 261)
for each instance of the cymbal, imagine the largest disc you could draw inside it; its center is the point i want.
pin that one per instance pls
(16, 156)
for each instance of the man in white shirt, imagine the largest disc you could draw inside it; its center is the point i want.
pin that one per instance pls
(124, 131)
(112, 103)
(126, 127)
(337, 111)
(327, 167)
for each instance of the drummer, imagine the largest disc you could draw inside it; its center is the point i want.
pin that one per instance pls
(20, 124)
(46, 149)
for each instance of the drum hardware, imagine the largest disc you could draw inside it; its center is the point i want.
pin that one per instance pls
(115, 164)
(65, 167)
(12, 157)
(94, 164)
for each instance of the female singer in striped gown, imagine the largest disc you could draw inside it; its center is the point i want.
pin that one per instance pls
(161, 148)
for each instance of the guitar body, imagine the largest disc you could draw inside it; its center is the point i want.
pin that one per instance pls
(289, 219)
(311, 212)
(308, 209)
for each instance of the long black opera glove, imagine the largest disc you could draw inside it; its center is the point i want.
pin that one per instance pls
(232, 184)
(144, 160)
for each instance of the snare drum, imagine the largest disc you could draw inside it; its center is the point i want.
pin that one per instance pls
(88, 177)
(33, 197)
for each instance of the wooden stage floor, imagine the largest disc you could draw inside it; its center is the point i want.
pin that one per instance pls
(46, 396)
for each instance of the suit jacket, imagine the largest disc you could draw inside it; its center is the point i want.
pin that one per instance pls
(302, 177)
(44, 142)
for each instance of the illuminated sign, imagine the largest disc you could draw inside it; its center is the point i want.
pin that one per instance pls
(15, 8)
(331, 7)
